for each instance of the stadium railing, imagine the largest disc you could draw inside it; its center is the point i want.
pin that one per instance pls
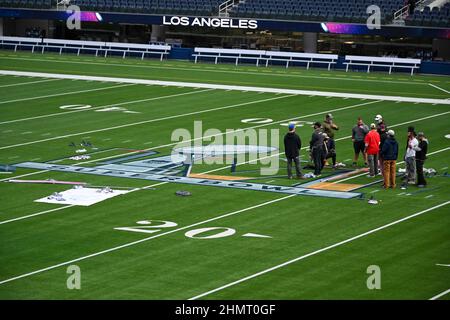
(142, 49)
(267, 56)
(384, 62)
(298, 57)
(79, 46)
(235, 54)
(19, 42)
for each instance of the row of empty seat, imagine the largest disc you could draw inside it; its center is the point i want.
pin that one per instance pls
(431, 17)
(196, 7)
(39, 4)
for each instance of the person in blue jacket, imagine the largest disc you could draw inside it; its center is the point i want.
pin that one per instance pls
(389, 151)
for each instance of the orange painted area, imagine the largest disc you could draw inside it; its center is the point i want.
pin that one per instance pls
(335, 186)
(214, 177)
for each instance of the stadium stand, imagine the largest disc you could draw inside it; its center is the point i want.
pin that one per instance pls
(319, 10)
(40, 4)
(197, 7)
(329, 10)
(437, 16)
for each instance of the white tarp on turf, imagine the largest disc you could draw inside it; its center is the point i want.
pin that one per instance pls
(82, 196)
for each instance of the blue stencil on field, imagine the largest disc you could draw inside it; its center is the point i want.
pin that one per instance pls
(192, 181)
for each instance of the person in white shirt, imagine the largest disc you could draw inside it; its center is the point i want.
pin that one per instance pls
(410, 157)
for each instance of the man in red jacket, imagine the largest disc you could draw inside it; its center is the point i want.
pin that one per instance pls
(372, 143)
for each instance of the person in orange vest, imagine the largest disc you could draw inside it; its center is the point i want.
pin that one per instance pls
(372, 144)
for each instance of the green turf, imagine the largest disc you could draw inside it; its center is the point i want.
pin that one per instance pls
(172, 266)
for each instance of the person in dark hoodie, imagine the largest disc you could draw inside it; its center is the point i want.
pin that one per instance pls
(390, 156)
(292, 146)
(421, 156)
(316, 148)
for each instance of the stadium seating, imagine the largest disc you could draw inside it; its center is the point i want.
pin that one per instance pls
(319, 10)
(431, 17)
(41, 4)
(188, 7)
(329, 10)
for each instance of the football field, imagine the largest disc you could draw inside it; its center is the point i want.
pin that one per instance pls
(71, 112)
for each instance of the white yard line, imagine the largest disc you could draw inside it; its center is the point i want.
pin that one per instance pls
(24, 175)
(145, 122)
(401, 162)
(107, 105)
(440, 295)
(439, 88)
(243, 129)
(320, 251)
(226, 87)
(65, 93)
(218, 169)
(36, 214)
(145, 239)
(221, 70)
(69, 206)
(25, 83)
(210, 136)
(339, 139)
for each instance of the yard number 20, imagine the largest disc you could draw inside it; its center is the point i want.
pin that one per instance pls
(149, 226)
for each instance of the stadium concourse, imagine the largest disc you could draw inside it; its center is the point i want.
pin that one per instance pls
(147, 153)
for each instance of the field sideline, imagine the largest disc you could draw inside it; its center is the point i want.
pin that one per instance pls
(309, 247)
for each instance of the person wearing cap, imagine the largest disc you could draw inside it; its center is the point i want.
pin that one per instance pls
(410, 157)
(381, 125)
(372, 144)
(389, 151)
(328, 126)
(421, 156)
(292, 146)
(330, 149)
(316, 148)
(359, 132)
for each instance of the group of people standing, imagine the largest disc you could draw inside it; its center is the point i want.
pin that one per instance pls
(376, 143)
(322, 146)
